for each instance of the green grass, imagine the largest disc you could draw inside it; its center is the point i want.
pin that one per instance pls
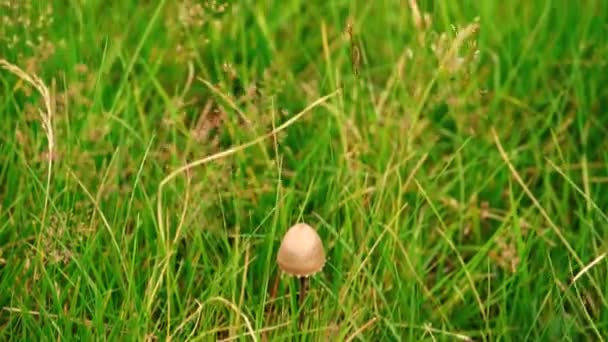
(454, 204)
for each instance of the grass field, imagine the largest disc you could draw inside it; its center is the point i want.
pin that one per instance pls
(452, 155)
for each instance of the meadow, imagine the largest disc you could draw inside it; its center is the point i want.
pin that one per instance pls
(451, 155)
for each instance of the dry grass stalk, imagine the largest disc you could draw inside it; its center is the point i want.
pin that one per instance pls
(46, 119)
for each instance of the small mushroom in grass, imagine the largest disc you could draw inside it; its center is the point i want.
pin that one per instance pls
(301, 254)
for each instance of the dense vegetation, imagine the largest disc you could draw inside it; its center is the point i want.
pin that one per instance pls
(451, 155)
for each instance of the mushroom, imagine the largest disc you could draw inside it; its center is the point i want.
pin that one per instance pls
(301, 254)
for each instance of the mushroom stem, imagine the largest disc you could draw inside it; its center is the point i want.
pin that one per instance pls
(303, 290)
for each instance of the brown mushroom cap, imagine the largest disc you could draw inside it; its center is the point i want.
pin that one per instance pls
(301, 252)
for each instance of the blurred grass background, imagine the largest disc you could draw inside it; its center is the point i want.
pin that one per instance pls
(457, 177)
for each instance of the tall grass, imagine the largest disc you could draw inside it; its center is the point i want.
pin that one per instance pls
(451, 155)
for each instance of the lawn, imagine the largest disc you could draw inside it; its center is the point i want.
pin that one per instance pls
(451, 155)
